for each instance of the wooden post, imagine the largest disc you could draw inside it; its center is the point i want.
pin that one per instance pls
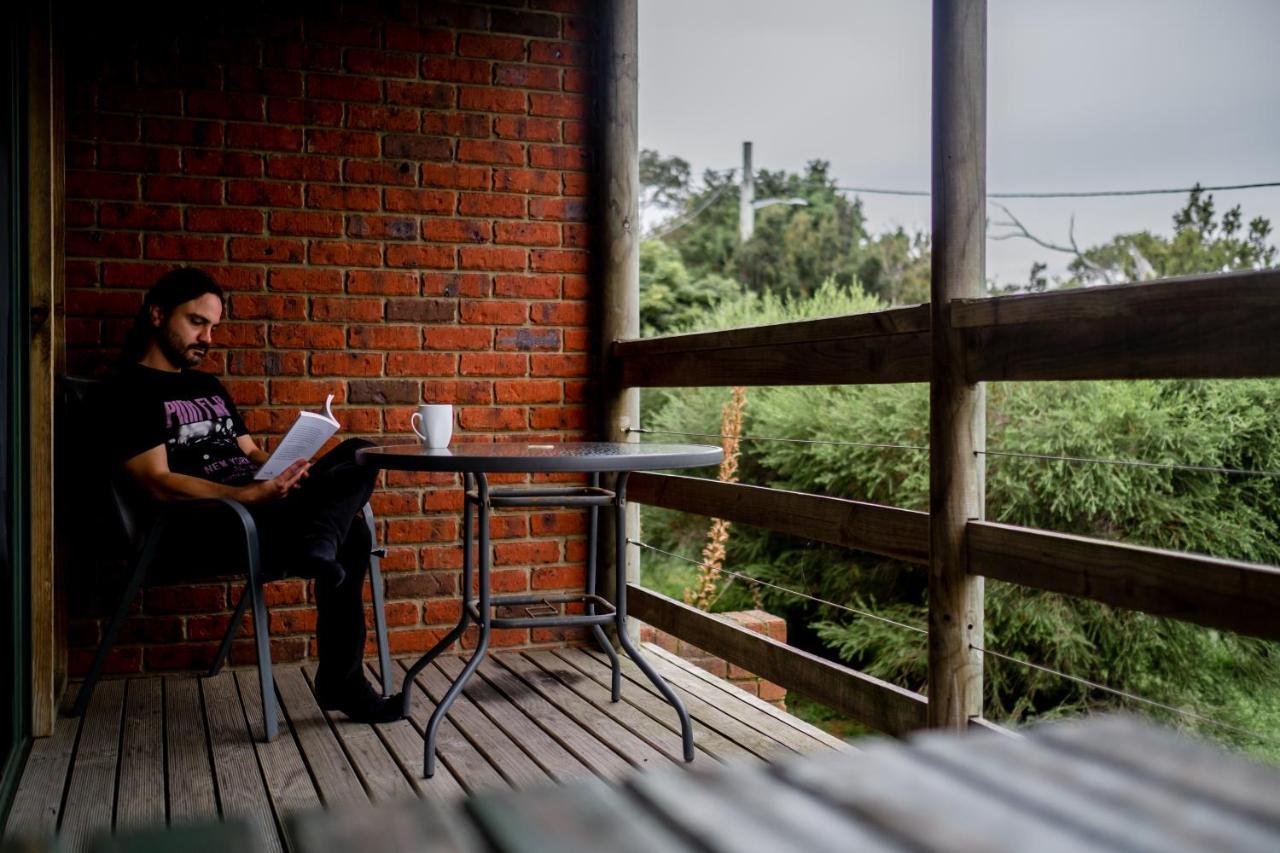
(619, 241)
(44, 256)
(957, 417)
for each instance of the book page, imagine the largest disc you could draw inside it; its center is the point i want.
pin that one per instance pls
(307, 435)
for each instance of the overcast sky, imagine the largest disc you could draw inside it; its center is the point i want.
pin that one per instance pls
(1082, 95)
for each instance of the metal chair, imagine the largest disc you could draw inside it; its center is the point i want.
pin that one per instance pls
(142, 527)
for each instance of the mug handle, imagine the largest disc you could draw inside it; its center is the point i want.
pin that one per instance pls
(413, 419)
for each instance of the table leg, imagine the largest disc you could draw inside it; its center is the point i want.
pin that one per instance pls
(465, 619)
(620, 559)
(593, 542)
(482, 642)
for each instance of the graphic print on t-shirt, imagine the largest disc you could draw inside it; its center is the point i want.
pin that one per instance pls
(202, 439)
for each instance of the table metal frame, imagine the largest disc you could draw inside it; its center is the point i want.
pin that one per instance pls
(599, 611)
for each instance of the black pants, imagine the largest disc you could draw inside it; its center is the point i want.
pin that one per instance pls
(327, 503)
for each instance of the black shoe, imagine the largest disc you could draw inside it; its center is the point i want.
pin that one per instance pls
(362, 704)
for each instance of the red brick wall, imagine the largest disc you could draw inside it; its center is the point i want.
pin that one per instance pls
(396, 202)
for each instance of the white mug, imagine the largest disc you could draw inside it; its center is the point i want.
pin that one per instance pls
(437, 424)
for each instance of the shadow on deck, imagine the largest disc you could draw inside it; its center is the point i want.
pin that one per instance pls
(179, 749)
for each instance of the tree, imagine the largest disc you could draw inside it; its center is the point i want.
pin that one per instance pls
(670, 297)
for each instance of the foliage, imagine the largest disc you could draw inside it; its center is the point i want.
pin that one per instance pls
(1201, 242)
(669, 296)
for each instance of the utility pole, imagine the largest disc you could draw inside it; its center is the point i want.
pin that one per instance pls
(746, 199)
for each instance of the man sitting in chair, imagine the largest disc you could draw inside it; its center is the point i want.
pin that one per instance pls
(178, 436)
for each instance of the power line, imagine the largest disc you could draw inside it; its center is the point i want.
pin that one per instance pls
(643, 431)
(1082, 194)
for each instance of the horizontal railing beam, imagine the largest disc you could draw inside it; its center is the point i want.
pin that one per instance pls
(889, 531)
(1198, 327)
(877, 704)
(1225, 594)
(860, 349)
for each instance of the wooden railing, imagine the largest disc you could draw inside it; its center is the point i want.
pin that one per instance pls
(1215, 326)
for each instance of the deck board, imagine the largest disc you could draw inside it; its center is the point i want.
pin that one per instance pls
(186, 746)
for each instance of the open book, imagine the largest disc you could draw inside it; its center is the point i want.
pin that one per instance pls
(307, 435)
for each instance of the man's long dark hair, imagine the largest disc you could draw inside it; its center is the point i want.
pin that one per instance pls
(173, 289)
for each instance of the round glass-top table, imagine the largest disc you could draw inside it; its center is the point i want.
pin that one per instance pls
(475, 460)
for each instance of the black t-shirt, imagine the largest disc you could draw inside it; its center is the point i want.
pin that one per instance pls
(189, 412)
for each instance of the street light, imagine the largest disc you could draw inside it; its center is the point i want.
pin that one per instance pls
(747, 202)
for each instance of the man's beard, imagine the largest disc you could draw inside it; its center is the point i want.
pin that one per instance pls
(178, 355)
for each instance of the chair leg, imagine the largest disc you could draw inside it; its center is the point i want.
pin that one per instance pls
(232, 630)
(145, 556)
(379, 605)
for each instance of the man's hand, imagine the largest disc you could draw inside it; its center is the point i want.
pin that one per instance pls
(272, 490)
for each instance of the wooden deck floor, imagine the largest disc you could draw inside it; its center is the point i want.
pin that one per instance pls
(179, 749)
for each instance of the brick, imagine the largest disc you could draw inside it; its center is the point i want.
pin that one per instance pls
(558, 208)
(114, 157)
(558, 418)
(343, 87)
(184, 190)
(457, 125)
(524, 23)
(528, 233)
(382, 118)
(526, 181)
(305, 280)
(381, 63)
(339, 197)
(429, 257)
(422, 529)
(150, 217)
(491, 100)
(434, 96)
(178, 247)
(491, 204)
(490, 47)
(567, 157)
(557, 53)
(527, 76)
(346, 364)
(494, 312)
(260, 136)
(527, 286)
(526, 129)
(451, 338)
(305, 168)
(421, 364)
(348, 143)
(453, 230)
(102, 304)
(525, 340)
(551, 260)
(226, 105)
(382, 172)
(292, 621)
(576, 287)
(266, 250)
(559, 524)
(525, 553)
(575, 236)
(326, 308)
(301, 224)
(455, 177)
(495, 153)
(224, 220)
(267, 363)
(382, 227)
(559, 577)
(345, 254)
(770, 692)
(305, 392)
(383, 391)
(575, 80)
(561, 313)
(493, 364)
(267, 81)
(422, 310)
(558, 365)
(490, 418)
(527, 391)
(387, 503)
(476, 258)
(246, 306)
(455, 70)
(264, 194)
(419, 40)
(384, 337)
(382, 283)
(190, 598)
(307, 336)
(174, 131)
(179, 656)
(96, 185)
(227, 164)
(455, 284)
(419, 201)
(418, 147)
